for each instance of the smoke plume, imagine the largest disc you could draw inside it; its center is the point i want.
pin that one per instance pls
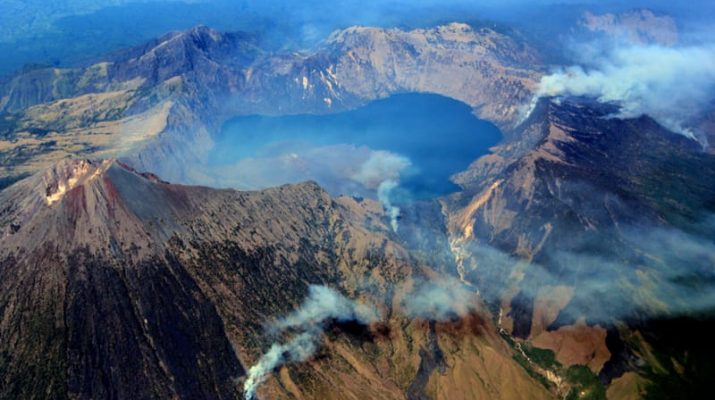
(298, 349)
(657, 273)
(383, 194)
(671, 84)
(441, 299)
(382, 171)
(341, 169)
(322, 304)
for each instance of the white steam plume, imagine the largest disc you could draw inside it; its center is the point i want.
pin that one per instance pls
(382, 172)
(670, 84)
(322, 304)
(341, 169)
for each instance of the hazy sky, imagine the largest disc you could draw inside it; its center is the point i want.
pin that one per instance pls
(67, 32)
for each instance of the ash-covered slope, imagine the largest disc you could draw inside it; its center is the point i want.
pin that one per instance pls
(115, 284)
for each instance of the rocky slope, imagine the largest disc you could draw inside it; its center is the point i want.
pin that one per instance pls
(116, 284)
(589, 205)
(99, 261)
(634, 170)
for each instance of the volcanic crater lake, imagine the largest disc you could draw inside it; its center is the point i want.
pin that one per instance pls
(439, 135)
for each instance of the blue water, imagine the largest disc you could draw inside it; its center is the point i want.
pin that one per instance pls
(439, 135)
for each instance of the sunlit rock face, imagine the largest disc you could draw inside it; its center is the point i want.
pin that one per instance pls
(491, 72)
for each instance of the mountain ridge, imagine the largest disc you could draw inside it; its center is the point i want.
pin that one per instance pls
(210, 76)
(183, 278)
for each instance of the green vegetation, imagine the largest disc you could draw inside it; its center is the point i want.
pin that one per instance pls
(679, 355)
(527, 366)
(543, 357)
(687, 374)
(586, 385)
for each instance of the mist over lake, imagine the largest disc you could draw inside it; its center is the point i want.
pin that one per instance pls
(440, 136)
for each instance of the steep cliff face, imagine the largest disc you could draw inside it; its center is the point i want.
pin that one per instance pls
(491, 72)
(118, 284)
(160, 102)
